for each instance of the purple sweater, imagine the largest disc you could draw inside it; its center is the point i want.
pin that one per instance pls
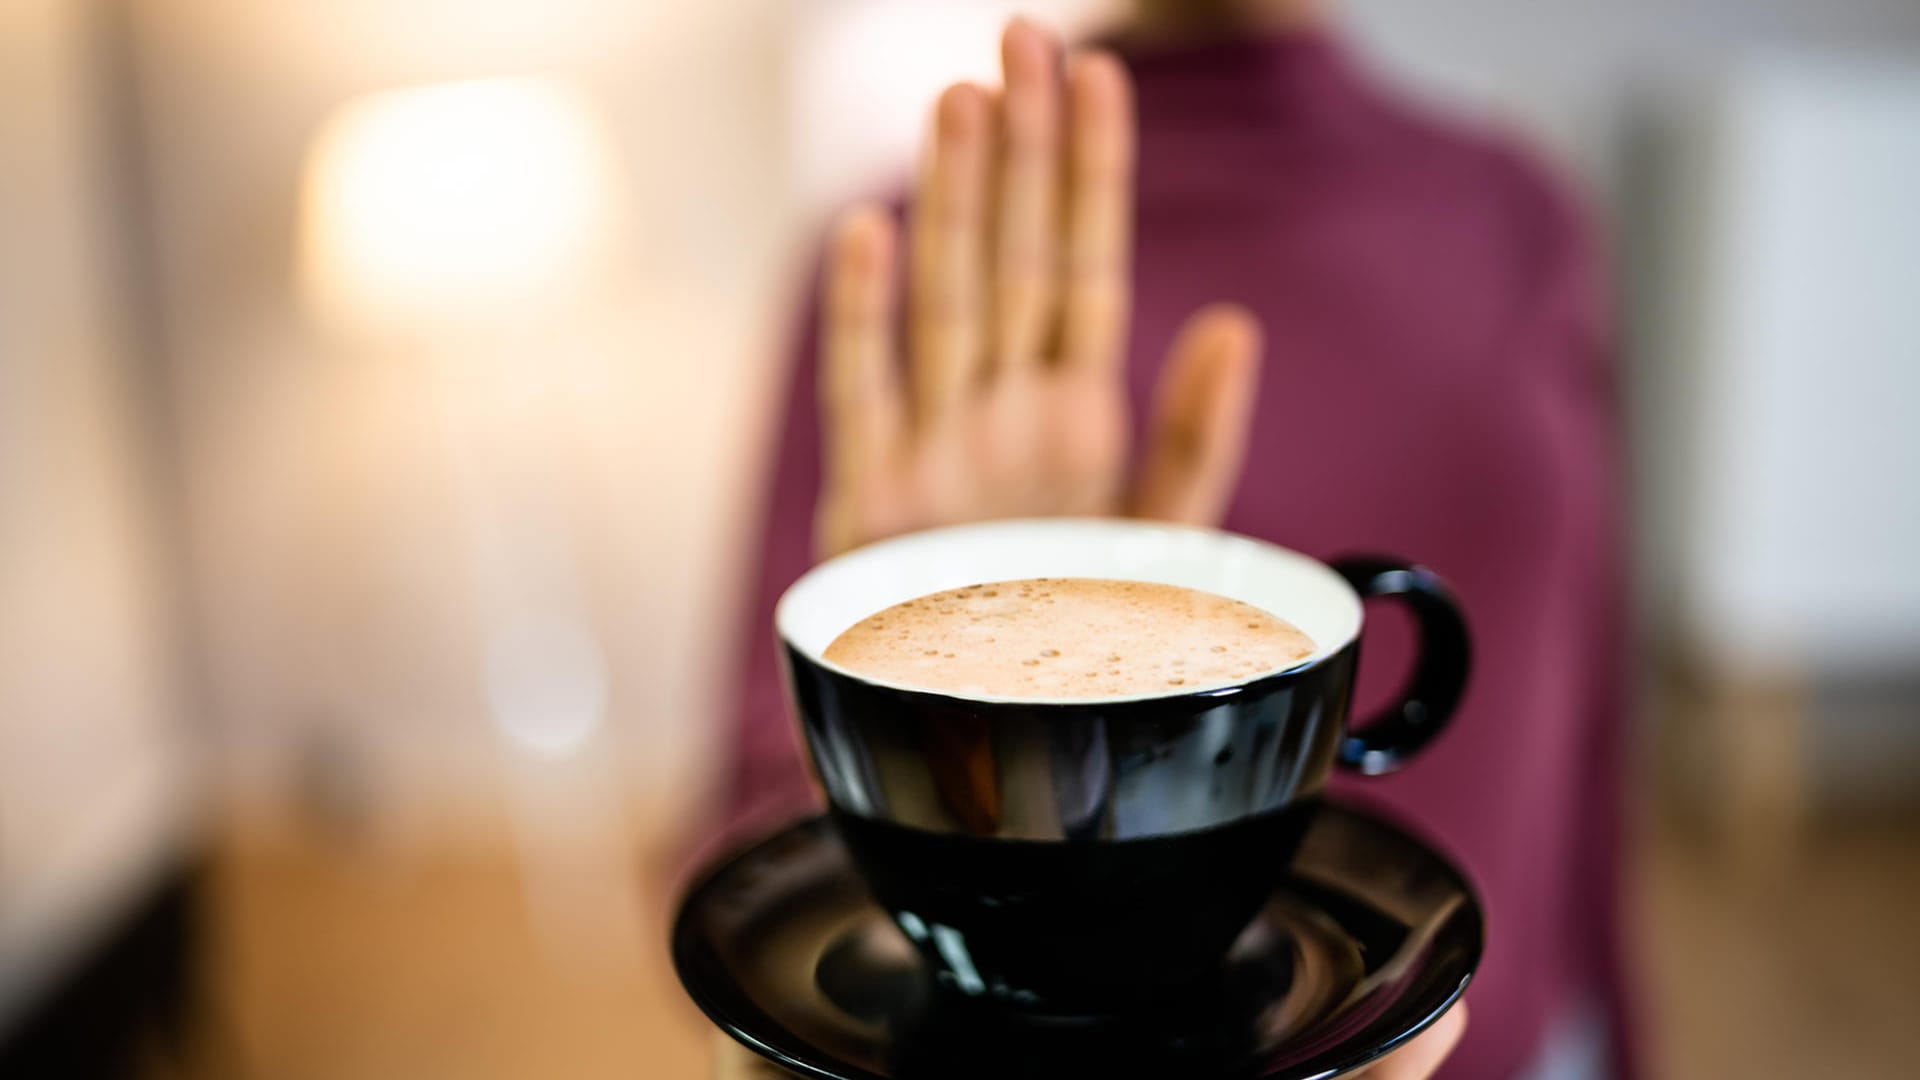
(1438, 386)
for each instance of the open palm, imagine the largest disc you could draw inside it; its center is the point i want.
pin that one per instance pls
(1006, 394)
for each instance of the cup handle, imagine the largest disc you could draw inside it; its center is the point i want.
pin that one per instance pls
(1424, 705)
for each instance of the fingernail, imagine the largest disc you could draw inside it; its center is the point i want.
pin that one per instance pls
(1098, 64)
(960, 108)
(863, 234)
(1025, 48)
(1100, 76)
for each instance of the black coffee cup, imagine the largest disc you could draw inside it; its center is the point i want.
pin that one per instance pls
(1088, 858)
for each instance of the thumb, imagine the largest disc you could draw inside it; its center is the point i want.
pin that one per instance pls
(1197, 435)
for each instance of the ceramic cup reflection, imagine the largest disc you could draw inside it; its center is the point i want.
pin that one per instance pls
(1091, 857)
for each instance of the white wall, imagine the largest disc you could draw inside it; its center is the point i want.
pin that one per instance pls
(1802, 495)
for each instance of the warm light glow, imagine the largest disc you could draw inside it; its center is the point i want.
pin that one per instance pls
(546, 681)
(456, 205)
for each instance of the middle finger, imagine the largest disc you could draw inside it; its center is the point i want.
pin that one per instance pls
(1099, 215)
(1026, 270)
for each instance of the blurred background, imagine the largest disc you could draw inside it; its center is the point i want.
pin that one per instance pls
(372, 549)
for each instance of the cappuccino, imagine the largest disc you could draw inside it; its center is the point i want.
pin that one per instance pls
(1068, 639)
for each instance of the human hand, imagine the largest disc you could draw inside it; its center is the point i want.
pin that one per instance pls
(1418, 1060)
(1012, 400)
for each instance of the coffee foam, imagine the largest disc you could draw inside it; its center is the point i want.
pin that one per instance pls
(1068, 639)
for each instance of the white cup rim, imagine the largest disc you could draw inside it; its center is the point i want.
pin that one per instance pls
(841, 591)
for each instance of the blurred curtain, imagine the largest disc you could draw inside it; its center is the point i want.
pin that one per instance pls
(96, 762)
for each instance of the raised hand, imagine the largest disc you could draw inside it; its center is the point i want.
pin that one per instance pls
(1010, 398)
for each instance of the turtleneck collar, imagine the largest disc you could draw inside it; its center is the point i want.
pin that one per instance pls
(1288, 75)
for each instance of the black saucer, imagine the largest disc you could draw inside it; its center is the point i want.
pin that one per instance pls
(1368, 940)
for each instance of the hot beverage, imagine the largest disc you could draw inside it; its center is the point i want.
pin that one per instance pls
(1069, 639)
(1071, 758)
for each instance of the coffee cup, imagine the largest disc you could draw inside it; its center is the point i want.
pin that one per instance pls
(1076, 858)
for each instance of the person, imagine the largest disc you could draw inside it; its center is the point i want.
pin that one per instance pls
(1420, 300)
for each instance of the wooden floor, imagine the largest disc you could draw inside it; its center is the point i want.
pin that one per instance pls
(1805, 970)
(333, 961)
